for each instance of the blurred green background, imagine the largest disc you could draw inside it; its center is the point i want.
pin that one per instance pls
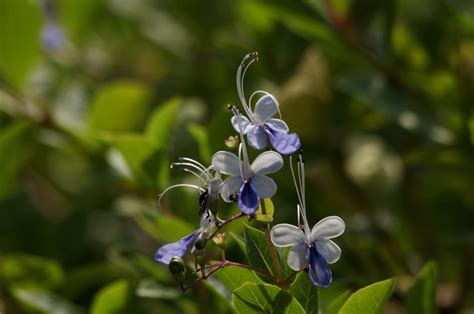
(97, 97)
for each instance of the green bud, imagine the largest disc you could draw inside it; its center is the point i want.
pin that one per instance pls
(200, 243)
(177, 268)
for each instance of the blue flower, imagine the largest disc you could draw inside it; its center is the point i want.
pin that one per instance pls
(310, 248)
(249, 181)
(259, 126)
(181, 247)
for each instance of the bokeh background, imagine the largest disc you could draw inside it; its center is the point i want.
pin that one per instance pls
(97, 97)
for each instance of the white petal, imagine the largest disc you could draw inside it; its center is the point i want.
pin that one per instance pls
(256, 137)
(230, 186)
(267, 162)
(284, 235)
(226, 163)
(297, 257)
(266, 107)
(236, 124)
(278, 124)
(264, 186)
(329, 250)
(327, 228)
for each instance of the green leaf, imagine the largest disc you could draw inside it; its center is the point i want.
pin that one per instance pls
(258, 252)
(161, 123)
(30, 271)
(135, 149)
(15, 150)
(111, 299)
(201, 136)
(263, 298)
(20, 28)
(269, 211)
(119, 106)
(305, 292)
(420, 297)
(76, 16)
(149, 288)
(233, 277)
(337, 303)
(170, 228)
(34, 300)
(370, 299)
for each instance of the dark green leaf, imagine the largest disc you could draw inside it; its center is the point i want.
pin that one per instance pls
(263, 298)
(370, 299)
(258, 252)
(19, 39)
(16, 147)
(421, 297)
(337, 303)
(30, 271)
(305, 292)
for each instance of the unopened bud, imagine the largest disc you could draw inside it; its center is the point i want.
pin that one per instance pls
(200, 244)
(232, 142)
(177, 268)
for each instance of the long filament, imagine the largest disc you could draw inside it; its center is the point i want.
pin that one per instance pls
(177, 186)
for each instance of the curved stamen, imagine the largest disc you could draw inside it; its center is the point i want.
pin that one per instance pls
(177, 186)
(193, 161)
(298, 193)
(266, 93)
(244, 65)
(196, 175)
(202, 171)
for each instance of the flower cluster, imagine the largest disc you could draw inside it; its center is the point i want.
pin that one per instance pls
(248, 184)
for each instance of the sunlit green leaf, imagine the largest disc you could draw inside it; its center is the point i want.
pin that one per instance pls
(263, 298)
(20, 27)
(40, 301)
(111, 299)
(233, 277)
(269, 211)
(201, 136)
(305, 292)
(421, 297)
(171, 229)
(370, 299)
(336, 304)
(119, 106)
(161, 122)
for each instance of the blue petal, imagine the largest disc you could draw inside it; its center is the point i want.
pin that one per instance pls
(256, 137)
(318, 270)
(283, 143)
(248, 198)
(178, 248)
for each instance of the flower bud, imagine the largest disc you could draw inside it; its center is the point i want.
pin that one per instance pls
(177, 268)
(200, 244)
(232, 142)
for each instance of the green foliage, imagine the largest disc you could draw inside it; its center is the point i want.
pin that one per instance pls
(263, 298)
(269, 211)
(119, 106)
(40, 301)
(19, 39)
(306, 293)
(161, 123)
(370, 299)
(258, 252)
(421, 297)
(112, 298)
(337, 303)
(234, 277)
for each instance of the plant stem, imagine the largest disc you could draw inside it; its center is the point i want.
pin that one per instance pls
(279, 280)
(229, 220)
